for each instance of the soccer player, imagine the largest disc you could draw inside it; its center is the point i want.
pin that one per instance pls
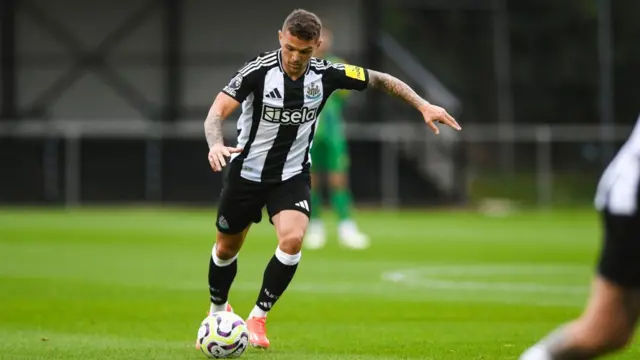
(281, 93)
(330, 156)
(609, 320)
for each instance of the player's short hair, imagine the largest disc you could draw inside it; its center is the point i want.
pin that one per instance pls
(303, 24)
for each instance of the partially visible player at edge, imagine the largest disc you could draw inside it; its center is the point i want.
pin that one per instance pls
(330, 158)
(281, 93)
(608, 322)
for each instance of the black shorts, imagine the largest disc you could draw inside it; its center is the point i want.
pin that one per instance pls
(620, 257)
(242, 200)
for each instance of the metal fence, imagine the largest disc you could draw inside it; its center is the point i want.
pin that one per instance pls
(139, 161)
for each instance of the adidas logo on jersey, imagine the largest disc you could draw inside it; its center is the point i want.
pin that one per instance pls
(274, 94)
(288, 116)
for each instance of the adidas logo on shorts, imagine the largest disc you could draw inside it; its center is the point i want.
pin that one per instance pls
(303, 204)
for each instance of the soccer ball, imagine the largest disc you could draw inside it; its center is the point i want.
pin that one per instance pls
(223, 334)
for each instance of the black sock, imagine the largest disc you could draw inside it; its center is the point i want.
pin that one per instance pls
(220, 279)
(277, 277)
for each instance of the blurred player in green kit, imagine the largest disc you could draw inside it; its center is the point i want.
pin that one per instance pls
(330, 157)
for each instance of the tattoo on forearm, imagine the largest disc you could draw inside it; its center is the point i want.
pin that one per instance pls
(213, 129)
(395, 87)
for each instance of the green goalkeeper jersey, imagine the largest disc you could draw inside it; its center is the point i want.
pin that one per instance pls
(329, 150)
(331, 115)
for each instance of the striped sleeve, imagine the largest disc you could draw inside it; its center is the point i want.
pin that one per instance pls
(245, 80)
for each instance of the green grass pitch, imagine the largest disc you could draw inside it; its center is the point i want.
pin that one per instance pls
(132, 284)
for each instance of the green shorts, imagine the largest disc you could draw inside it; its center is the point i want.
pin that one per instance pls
(329, 153)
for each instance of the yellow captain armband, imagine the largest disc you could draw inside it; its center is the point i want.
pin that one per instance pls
(354, 72)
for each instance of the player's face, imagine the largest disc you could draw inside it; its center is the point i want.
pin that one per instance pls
(296, 53)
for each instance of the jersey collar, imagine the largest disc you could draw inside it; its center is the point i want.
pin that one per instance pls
(306, 72)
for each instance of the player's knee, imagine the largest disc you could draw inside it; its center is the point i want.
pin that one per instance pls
(227, 247)
(290, 240)
(224, 253)
(338, 181)
(315, 181)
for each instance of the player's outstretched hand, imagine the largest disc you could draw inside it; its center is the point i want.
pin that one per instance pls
(435, 114)
(217, 155)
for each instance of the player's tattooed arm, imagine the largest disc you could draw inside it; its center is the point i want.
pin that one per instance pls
(432, 114)
(213, 127)
(222, 107)
(395, 87)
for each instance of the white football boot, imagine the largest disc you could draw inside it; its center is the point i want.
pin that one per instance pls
(315, 237)
(350, 236)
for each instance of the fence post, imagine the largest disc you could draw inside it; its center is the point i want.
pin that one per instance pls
(605, 88)
(389, 169)
(72, 167)
(153, 163)
(50, 159)
(502, 68)
(544, 167)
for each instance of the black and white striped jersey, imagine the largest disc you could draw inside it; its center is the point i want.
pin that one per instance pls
(619, 187)
(279, 115)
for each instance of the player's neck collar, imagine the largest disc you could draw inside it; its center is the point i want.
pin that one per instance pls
(281, 65)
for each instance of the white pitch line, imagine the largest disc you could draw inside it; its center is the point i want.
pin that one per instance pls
(435, 278)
